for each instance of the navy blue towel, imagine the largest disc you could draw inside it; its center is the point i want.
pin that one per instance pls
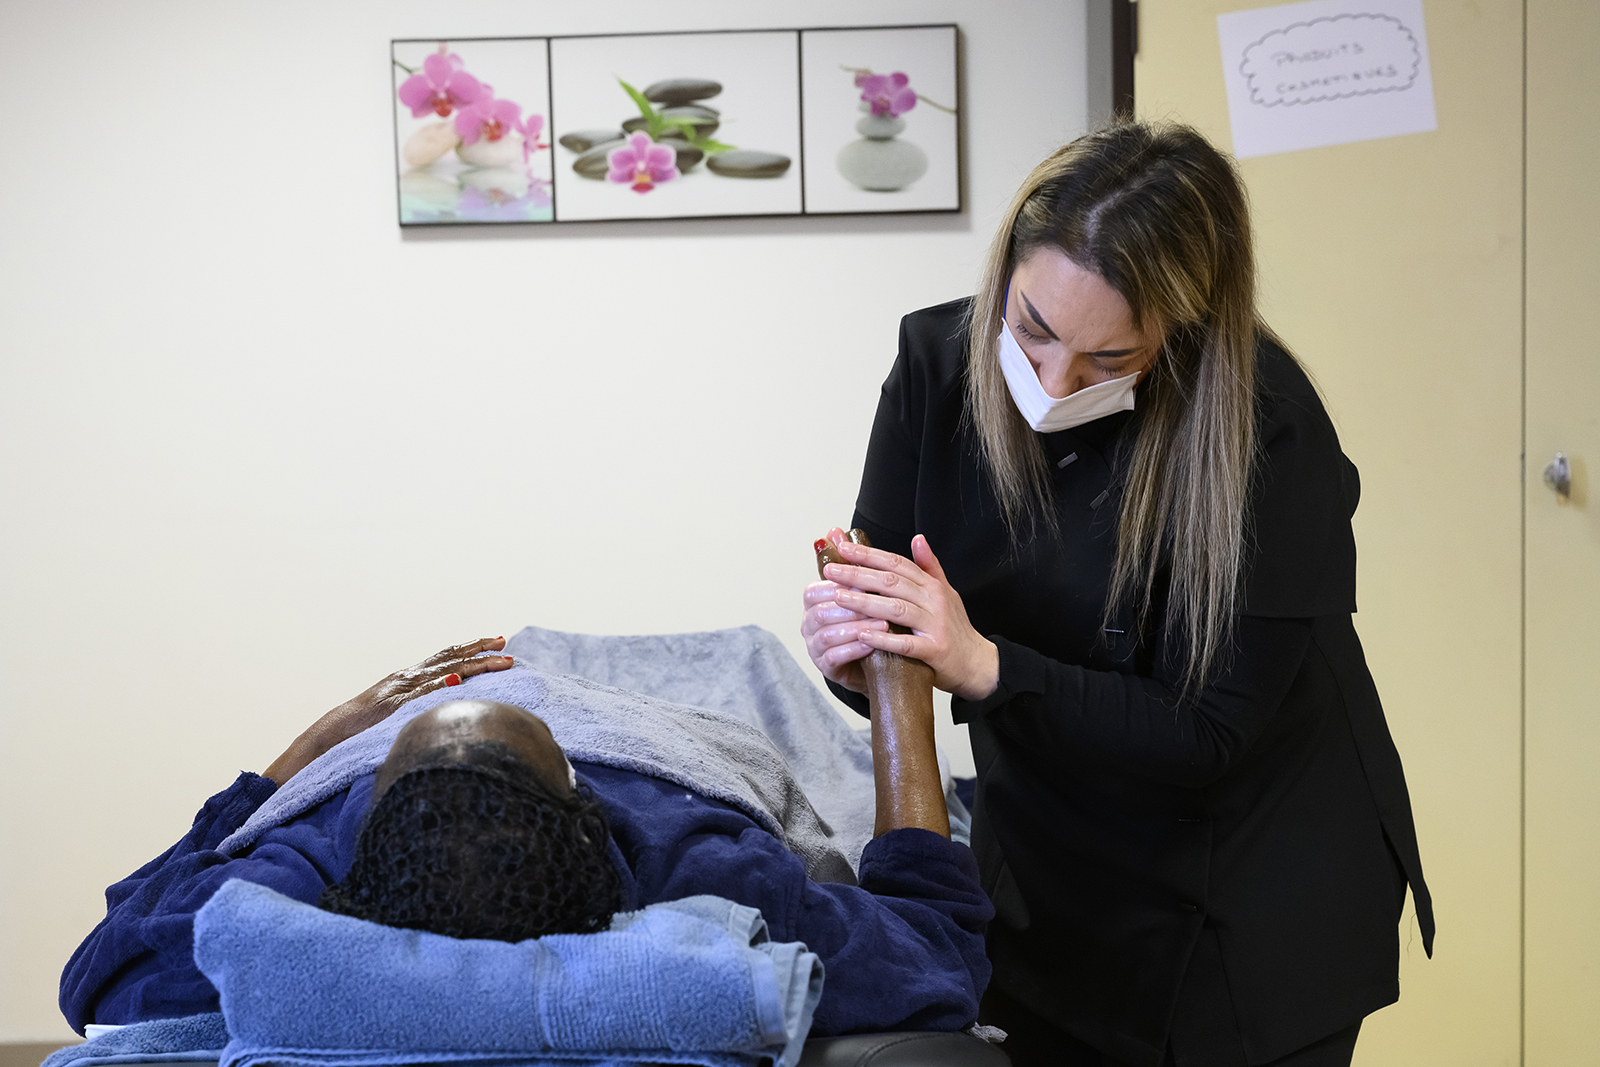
(692, 981)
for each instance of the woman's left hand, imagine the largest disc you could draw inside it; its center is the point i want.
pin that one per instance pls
(915, 593)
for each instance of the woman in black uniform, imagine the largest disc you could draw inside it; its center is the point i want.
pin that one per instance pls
(1190, 813)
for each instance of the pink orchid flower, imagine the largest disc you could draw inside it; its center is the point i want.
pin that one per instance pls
(441, 87)
(888, 94)
(488, 118)
(642, 163)
(531, 128)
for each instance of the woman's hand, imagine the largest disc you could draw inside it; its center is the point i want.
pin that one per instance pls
(384, 698)
(832, 633)
(880, 586)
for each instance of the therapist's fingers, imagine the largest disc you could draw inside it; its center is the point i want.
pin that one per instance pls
(964, 662)
(881, 595)
(878, 559)
(887, 573)
(891, 609)
(922, 555)
(970, 671)
(913, 645)
(846, 654)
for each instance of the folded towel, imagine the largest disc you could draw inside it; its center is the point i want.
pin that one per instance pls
(693, 981)
(193, 1037)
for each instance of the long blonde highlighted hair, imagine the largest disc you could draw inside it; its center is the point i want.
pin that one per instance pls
(1162, 216)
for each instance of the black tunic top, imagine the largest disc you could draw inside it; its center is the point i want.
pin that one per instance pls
(1227, 873)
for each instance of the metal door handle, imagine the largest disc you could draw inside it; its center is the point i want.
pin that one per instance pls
(1558, 475)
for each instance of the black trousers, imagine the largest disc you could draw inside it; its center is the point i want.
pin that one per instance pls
(1033, 1041)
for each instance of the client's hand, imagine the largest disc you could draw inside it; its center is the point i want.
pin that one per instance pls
(913, 594)
(833, 633)
(381, 700)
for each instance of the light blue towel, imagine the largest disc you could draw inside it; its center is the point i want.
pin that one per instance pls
(693, 981)
(193, 1037)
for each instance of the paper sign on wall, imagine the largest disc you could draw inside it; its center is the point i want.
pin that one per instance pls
(1325, 72)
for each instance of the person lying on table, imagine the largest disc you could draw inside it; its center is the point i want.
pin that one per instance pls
(476, 825)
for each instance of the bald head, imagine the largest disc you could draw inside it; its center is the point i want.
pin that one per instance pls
(447, 734)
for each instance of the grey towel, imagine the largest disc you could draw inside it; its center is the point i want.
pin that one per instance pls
(727, 713)
(747, 673)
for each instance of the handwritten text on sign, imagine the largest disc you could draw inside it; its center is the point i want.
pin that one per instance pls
(1325, 72)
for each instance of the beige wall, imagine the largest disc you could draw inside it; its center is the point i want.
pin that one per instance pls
(257, 448)
(250, 459)
(1393, 268)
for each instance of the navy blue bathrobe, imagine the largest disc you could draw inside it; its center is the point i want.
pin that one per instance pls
(903, 950)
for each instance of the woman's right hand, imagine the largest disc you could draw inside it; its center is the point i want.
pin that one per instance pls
(831, 632)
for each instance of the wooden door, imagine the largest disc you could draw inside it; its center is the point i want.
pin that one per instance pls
(1562, 955)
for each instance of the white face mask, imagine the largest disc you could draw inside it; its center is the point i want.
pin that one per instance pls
(1047, 414)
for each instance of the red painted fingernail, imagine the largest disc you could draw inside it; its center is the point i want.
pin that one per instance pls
(822, 542)
(452, 679)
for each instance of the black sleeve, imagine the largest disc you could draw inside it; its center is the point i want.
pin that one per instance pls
(1139, 723)
(1302, 547)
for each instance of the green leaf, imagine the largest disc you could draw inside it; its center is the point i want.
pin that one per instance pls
(713, 147)
(687, 125)
(652, 118)
(645, 109)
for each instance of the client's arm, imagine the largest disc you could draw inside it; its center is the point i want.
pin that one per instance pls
(137, 964)
(903, 949)
(910, 792)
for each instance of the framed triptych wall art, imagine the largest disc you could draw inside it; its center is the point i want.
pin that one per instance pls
(677, 125)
